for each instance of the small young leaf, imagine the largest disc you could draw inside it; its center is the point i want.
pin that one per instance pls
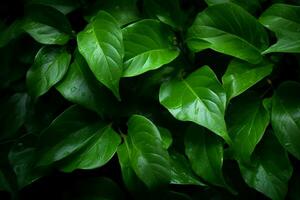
(148, 46)
(101, 44)
(228, 29)
(285, 116)
(199, 98)
(50, 65)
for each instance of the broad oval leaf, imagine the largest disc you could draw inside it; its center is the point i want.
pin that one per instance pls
(285, 116)
(80, 86)
(47, 25)
(228, 29)
(101, 44)
(205, 153)
(181, 172)
(96, 153)
(68, 133)
(241, 75)
(247, 121)
(13, 115)
(148, 45)
(149, 159)
(199, 98)
(284, 20)
(50, 65)
(270, 169)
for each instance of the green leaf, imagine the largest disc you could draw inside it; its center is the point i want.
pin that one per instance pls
(285, 116)
(283, 19)
(98, 188)
(250, 6)
(45, 34)
(80, 86)
(68, 133)
(149, 159)
(166, 137)
(47, 25)
(50, 65)
(199, 98)
(64, 6)
(13, 115)
(130, 179)
(247, 121)
(205, 153)
(148, 46)
(241, 75)
(181, 172)
(167, 11)
(124, 11)
(228, 29)
(101, 44)
(22, 157)
(96, 153)
(11, 32)
(270, 169)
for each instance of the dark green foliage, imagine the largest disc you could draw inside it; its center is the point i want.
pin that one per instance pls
(149, 99)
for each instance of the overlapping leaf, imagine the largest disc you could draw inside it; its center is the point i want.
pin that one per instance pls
(247, 121)
(47, 25)
(80, 86)
(199, 98)
(50, 65)
(228, 29)
(148, 46)
(95, 153)
(240, 76)
(269, 170)
(205, 153)
(285, 116)
(101, 44)
(283, 19)
(250, 6)
(147, 155)
(68, 133)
